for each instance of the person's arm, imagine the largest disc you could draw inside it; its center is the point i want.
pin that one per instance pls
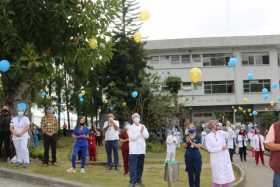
(145, 132)
(270, 140)
(197, 144)
(106, 126)
(213, 148)
(273, 146)
(134, 135)
(115, 125)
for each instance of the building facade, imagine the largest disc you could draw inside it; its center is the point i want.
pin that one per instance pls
(223, 88)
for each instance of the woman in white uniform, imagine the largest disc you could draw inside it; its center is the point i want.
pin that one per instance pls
(222, 172)
(19, 128)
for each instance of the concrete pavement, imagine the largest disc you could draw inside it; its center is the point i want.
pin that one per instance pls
(14, 183)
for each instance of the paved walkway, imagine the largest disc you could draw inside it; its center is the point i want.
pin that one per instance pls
(256, 176)
(4, 182)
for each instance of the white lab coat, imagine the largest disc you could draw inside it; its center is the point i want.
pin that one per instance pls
(256, 143)
(231, 138)
(222, 172)
(240, 139)
(171, 145)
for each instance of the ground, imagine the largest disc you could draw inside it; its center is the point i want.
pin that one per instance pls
(97, 174)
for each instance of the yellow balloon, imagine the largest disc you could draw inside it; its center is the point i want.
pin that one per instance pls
(240, 108)
(249, 110)
(83, 92)
(235, 110)
(93, 43)
(244, 111)
(195, 75)
(124, 104)
(137, 37)
(272, 103)
(245, 100)
(144, 15)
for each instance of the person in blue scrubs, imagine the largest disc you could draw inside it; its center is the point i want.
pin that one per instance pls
(80, 134)
(193, 159)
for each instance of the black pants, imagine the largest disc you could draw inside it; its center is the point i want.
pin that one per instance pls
(136, 166)
(49, 141)
(194, 178)
(5, 137)
(231, 153)
(243, 153)
(99, 140)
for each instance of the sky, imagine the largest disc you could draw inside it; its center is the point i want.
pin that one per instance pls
(207, 18)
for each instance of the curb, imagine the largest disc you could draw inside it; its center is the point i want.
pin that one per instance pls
(241, 181)
(39, 179)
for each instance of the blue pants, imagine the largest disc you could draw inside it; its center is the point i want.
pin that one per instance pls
(112, 146)
(194, 178)
(136, 166)
(276, 180)
(83, 150)
(35, 140)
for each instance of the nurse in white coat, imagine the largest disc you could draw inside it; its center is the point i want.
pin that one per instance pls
(222, 172)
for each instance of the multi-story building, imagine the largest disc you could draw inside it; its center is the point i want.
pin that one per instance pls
(222, 88)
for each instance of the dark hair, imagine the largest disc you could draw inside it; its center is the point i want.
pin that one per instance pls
(79, 119)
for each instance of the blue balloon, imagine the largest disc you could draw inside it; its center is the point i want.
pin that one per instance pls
(255, 113)
(82, 99)
(275, 86)
(4, 66)
(250, 76)
(134, 94)
(21, 106)
(232, 62)
(265, 96)
(44, 94)
(264, 90)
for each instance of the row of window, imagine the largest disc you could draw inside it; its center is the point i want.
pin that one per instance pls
(219, 59)
(227, 87)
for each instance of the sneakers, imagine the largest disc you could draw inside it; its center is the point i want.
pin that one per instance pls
(83, 170)
(25, 165)
(71, 170)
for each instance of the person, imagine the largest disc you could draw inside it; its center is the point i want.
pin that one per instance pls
(49, 126)
(242, 144)
(99, 136)
(171, 145)
(125, 148)
(19, 128)
(193, 159)
(137, 134)
(111, 128)
(64, 129)
(92, 145)
(35, 135)
(230, 140)
(222, 172)
(258, 146)
(5, 134)
(80, 134)
(272, 143)
(203, 135)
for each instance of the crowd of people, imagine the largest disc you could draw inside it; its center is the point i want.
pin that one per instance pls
(220, 140)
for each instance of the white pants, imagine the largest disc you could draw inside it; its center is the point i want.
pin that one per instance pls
(171, 155)
(22, 150)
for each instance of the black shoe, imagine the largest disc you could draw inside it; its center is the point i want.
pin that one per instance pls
(110, 168)
(54, 164)
(131, 185)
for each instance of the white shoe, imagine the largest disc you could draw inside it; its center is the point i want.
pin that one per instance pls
(71, 170)
(82, 170)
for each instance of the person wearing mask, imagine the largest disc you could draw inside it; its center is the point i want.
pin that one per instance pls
(137, 134)
(19, 128)
(80, 134)
(193, 159)
(242, 140)
(230, 140)
(5, 133)
(222, 172)
(49, 126)
(258, 146)
(111, 128)
(272, 142)
(125, 148)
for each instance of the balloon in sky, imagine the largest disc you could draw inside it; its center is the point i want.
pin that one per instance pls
(245, 100)
(144, 15)
(137, 37)
(83, 92)
(134, 94)
(255, 113)
(249, 110)
(275, 86)
(82, 99)
(264, 91)
(250, 76)
(4, 66)
(195, 75)
(265, 96)
(93, 43)
(232, 62)
(124, 104)
(21, 106)
(250, 114)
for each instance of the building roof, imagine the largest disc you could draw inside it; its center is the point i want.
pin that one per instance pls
(214, 42)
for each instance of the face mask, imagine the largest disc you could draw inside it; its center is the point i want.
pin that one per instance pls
(136, 120)
(20, 113)
(192, 130)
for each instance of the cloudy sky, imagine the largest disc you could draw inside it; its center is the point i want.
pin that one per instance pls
(205, 18)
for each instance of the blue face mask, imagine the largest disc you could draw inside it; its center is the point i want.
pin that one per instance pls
(192, 130)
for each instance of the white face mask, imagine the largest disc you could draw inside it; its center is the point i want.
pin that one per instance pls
(136, 120)
(20, 113)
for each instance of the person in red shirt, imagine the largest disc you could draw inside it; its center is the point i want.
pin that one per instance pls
(125, 148)
(92, 146)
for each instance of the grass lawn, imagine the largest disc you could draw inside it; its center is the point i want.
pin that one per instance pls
(97, 174)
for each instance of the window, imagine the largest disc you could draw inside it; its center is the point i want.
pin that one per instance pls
(186, 59)
(196, 58)
(220, 59)
(175, 59)
(216, 87)
(255, 85)
(255, 58)
(154, 59)
(204, 114)
(187, 86)
(164, 58)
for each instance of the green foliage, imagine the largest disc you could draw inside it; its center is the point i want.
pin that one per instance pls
(173, 84)
(37, 152)
(265, 119)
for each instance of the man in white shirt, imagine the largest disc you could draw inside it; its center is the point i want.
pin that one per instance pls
(137, 134)
(111, 129)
